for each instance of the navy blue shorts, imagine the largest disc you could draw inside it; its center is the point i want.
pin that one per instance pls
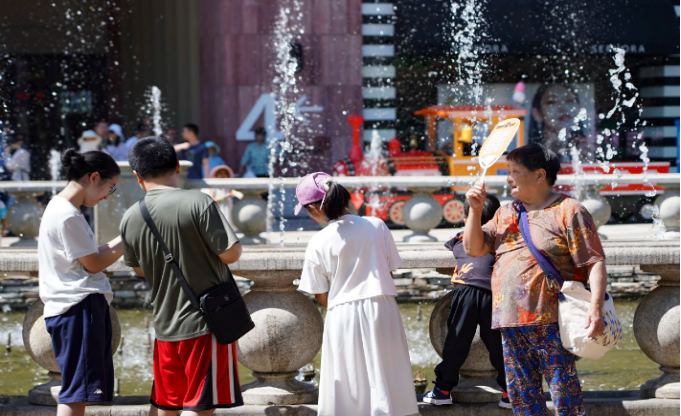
(81, 338)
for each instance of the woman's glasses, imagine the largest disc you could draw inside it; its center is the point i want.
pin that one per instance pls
(112, 189)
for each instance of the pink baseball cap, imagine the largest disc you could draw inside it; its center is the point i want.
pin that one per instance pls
(311, 189)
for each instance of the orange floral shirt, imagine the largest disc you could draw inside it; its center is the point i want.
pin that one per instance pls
(565, 234)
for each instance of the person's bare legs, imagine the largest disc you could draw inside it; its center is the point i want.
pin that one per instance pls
(155, 411)
(71, 409)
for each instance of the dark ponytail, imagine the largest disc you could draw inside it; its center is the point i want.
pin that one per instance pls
(76, 165)
(336, 200)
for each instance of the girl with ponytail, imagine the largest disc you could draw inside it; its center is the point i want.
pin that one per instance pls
(73, 288)
(348, 267)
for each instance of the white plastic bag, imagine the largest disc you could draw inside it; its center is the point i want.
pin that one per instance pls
(573, 305)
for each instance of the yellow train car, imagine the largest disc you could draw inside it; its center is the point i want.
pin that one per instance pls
(464, 118)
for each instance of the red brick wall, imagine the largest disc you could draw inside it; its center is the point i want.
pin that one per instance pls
(237, 67)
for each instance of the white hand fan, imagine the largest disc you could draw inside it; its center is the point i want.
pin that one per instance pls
(497, 142)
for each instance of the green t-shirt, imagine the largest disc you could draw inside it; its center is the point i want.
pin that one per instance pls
(196, 233)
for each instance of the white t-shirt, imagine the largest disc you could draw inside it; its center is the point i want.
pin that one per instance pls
(351, 259)
(64, 237)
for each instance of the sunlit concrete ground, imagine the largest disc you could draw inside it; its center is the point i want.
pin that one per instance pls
(612, 232)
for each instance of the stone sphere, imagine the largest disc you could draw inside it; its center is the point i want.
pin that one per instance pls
(669, 208)
(250, 215)
(598, 207)
(422, 213)
(24, 216)
(287, 334)
(477, 365)
(38, 341)
(656, 325)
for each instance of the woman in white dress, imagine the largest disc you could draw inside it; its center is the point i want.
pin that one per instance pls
(365, 359)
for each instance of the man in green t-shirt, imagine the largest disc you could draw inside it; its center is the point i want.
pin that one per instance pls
(192, 372)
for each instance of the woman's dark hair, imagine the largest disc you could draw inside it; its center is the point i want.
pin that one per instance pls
(152, 157)
(336, 201)
(118, 140)
(489, 208)
(76, 165)
(536, 156)
(536, 133)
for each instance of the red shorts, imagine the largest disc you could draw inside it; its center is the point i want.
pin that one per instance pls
(195, 374)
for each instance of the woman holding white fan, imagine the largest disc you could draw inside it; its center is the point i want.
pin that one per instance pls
(559, 231)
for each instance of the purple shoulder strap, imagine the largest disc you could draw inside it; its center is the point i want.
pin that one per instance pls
(545, 264)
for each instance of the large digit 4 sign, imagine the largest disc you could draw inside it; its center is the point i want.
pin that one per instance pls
(266, 106)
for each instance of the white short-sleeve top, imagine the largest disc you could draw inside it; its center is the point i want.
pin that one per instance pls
(351, 259)
(64, 237)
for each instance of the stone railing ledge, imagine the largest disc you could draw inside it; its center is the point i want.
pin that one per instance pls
(421, 256)
(431, 181)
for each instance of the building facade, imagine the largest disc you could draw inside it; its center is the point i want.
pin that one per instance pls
(67, 65)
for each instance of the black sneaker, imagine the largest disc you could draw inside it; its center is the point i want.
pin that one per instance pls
(437, 397)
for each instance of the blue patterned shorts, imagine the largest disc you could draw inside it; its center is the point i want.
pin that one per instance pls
(531, 352)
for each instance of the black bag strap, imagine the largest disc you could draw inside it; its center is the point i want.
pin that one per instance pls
(169, 256)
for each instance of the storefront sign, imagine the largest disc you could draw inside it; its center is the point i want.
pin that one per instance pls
(266, 105)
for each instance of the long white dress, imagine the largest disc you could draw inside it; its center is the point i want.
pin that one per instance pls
(365, 358)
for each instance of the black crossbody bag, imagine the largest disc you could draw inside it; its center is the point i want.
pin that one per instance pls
(222, 306)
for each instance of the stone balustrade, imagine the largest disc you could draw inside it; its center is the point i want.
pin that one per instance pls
(421, 213)
(289, 327)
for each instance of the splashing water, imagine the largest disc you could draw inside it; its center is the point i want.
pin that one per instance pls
(372, 159)
(578, 182)
(626, 95)
(288, 29)
(646, 160)
(616, 174)
(469, 60)
(156, 110)
(657, 221)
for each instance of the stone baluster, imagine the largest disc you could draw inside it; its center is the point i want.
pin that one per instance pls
(421, 213)
(38, 344)
(478, 383)
(670, 212)
(250, 216)
(656, 328)
(598, 206)
(24, 218)
(287, 336)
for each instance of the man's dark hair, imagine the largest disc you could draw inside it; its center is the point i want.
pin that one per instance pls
(489, 208)
(535, 156)
(152, 157)
(260, 131)
(142, 127)
(193, 127)
(14, 138)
